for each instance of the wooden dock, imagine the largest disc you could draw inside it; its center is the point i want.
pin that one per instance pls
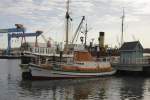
(10, 57)
(141, 64)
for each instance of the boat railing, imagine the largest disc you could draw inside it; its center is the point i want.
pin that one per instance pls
(115, 59)
(142, 61)
(102, 59)
(131, 61)
(41, 50)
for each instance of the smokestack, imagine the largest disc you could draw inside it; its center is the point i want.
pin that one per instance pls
(101, 39)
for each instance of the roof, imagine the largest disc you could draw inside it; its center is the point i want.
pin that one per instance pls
(130, 46)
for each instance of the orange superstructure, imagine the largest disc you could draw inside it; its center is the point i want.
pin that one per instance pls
(86, 69)
(82, 56)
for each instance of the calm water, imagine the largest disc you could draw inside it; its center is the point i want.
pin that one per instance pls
(106, 88)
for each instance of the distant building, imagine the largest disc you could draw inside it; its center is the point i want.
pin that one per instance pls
(1, 51)
(130, 52)
(15, 51)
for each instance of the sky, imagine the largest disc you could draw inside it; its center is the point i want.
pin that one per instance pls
(101, 15)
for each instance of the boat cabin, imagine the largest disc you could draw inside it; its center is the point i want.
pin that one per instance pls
(131, 52)
(82, 56)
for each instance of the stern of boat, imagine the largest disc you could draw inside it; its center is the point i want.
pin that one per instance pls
(26, 72)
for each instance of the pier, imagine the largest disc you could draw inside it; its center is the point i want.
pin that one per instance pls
(140, 64)
(131, 58)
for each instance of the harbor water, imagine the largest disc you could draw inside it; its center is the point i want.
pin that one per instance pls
(12, 87)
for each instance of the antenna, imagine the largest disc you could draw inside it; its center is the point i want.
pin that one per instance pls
(117, 39)
(122, 28)
(86, 31)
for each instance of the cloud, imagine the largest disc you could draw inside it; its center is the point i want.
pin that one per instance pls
(49, 15)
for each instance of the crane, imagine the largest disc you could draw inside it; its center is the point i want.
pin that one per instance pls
(17, 32)
(78, 29)
(19, 28)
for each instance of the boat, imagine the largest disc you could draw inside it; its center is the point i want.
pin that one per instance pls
(75, 61)
(79, 65)
(43, 74)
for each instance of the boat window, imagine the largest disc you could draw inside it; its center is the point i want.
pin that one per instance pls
(104, 59)
(40, 50)
(107, 59)
(80, 63)
(43, 50)
(46, 50)
(37, 49)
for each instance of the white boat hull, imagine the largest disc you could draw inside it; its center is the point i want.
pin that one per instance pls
(41, 73)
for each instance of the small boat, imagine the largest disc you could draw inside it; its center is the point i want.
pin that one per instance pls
(39, 73)
(79, 65)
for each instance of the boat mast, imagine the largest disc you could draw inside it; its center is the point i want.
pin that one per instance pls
(67, 23)
(122, 28)
(86, 30)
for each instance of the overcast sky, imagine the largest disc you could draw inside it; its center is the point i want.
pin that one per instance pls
(101, 15)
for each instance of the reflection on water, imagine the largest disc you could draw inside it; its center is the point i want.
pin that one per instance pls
(67, 89)
(132, 91)
(104, 88)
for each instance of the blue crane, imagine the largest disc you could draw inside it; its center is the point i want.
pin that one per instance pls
(17, 32)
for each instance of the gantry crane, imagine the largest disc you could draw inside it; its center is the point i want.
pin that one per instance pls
(17, 32)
